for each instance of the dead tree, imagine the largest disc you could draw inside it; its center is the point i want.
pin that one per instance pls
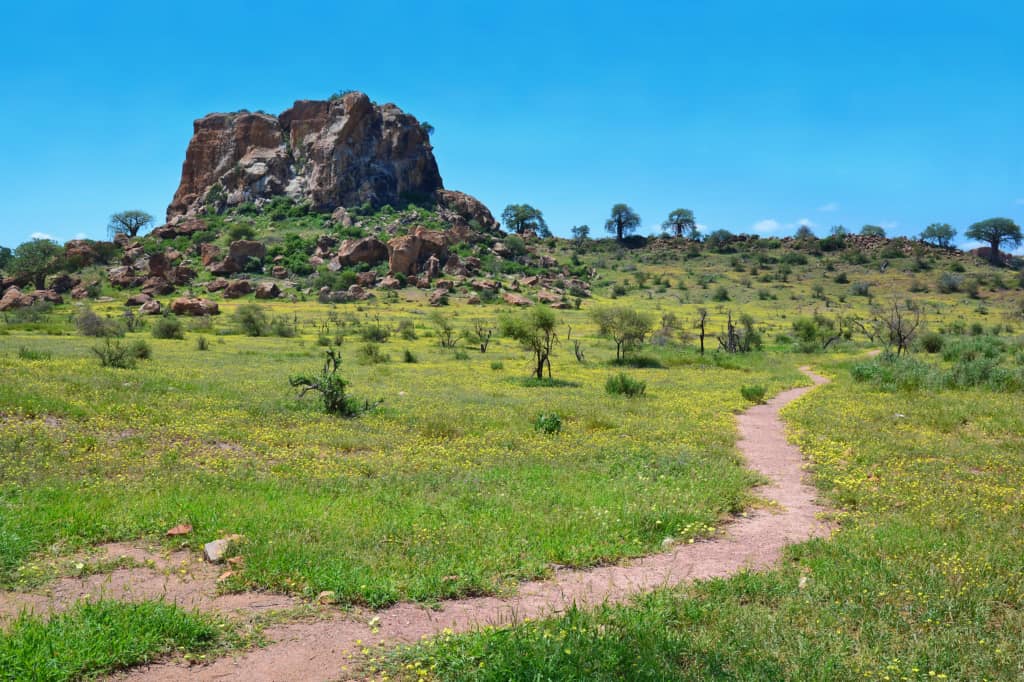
(701, 324)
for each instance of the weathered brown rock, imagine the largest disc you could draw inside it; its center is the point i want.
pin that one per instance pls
(138, 299)
(151, 308)
(357, 293)
(209, 254)
(182, 274)
(473, 299)
(404, 254)
(454, 266)
(390, 282)
(366, 279)
(516, 299)
(157, 286)
(438, 297)
(237, 288)
(125, 276)
(267, 290)
(545, 296)
(468, 208)
(218, 284)
(352, 151)
(13, 298)
(279, 272)
(79, 292)
(432, 268)
(369, 250)
(80, 253)
(159, 264)
(64, 283)
(194, 306)
(180, 228)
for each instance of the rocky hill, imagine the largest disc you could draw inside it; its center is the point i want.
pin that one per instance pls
(344, 152)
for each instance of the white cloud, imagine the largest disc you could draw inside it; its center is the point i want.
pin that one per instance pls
(806, 222)
(40, 235)
(766, 226)
(830, 207)
(81, 235)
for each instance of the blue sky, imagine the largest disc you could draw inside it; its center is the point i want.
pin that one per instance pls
(755, 115)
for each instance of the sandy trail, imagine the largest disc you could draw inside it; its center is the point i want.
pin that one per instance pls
(329, 648)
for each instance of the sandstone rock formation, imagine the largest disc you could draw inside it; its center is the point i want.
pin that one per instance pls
(337, 153)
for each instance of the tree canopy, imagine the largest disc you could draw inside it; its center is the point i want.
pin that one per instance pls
(681, 223)
(625, 326)
(128, 223)
(535, 330)
(580, 234)
(520, 218)
(35, 259)
(5, 257)
(997, 232)
(804, 233)
(872, 231)
(622, 222)
(939, 234)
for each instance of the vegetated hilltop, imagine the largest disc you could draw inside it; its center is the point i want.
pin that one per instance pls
(342, 198)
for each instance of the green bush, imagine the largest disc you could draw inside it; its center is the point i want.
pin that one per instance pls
(241, 231)
(623, 384)
(25, 353)
(251, 319)
(89, 323)
(202, 343)
(548, 422)
(331, 387)
(168, 327)
(371, 354)
(721, 294)
(754, 393)
(115, 354)
(408, 357)
(930, 342)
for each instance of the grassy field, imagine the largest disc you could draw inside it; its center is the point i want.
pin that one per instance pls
(448, 489)
(925, 579)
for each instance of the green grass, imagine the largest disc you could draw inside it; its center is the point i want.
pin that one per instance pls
(94, 638)
(925, 580)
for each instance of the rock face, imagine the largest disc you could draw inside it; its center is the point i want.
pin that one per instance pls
(369, 250)
(337, 153)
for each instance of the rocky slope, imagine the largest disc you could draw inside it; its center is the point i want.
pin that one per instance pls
(338, 153)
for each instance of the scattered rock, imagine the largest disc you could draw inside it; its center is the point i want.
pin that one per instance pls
(151, 308)
(516, 299)
(138, 299)
(438, 297)
(194, 306)
(369, 250)
(237, 288)
(279, 271)
(181, 529)
(267, 290)
(215, 552)
(218, 284)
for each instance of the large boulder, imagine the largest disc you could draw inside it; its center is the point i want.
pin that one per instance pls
(218, 284)
(13, 298)
(159, 264)
(157, 286)
(341, 152)
(466, 209)
(369, 250)
(404, 254)
(151, 308)
(125, 276)
(516, 299)
(209, 253)
(194, 306)
(238, 288)
(267, 290)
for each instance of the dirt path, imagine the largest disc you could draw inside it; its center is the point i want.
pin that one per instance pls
(322, 649)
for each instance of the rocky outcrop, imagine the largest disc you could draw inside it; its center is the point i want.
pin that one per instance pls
(194, 306)
(460, 208)
(406, 254)
(239, 254)
(267, 290)
(237, 288)
(342, 152)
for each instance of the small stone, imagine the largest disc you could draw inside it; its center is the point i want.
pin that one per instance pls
(326, 597)
(214, 551)
(181, 529)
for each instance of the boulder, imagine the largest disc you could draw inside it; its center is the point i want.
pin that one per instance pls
(357, 293)
(238, 288)
(64, 283)
(516, 299)
(209, 253)
(341, 217)
(159, 265)
(124, 276)
(194, 306)
(404, 254)
(366, 279)
(13, 298)
(179, 228)
(432, 267)
(390, 282)
(438, 297)
(218, 284)
(279, 272)
(157, 286)
(545, 296)
(470, 209)
(79, 292)
(182, 274)
(138, 299)
(267, 290)
(151, 308)
(455, 267)
(47, 295)
(80, 252)
(369, 250)
(473, 299)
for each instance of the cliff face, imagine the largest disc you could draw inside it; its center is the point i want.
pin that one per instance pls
(342, 152)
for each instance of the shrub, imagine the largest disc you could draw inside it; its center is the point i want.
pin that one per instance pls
(548, 422)
(861, 289)
(623, 384)
(497, 365)
(89, 323)
(371, 354)
(251, 319)
(754, 393)
(114, 354)
(202, 343)
(168, 327)
(406, 329)
(949, 283)
(930, 342)
(721, 294)
(842, 278)
(461, 354)
(407, 356)
(283, 327)
(241, 231)
(140, 350)
(25, 353)
(323, 340)
(375, 333)
(331, 388)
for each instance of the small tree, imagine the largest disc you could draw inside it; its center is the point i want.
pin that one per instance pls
(996, 231)
(535, 331)
(681, 223)
(939, 234)
(872, 231)
(5, 257)
(901, 323)
(128, 223)
(330, 386)
(480, 334)
(34, 260)
(625, 326)
(804, 233)
(702, 326)
(580, 234)
(522, 217)
(445, 330)
(622, 222)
